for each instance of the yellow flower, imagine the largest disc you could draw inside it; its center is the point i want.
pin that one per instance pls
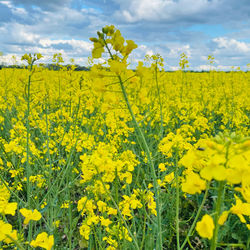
(223, 217)
(205, 227)
(7, 207)
(193, 184)
(113, 243)
(129, 47)
(84, 205)
(134, 203)
(218, 172)
(112, 211)
(162, 167)
(92, 219)
(98, 50)
(105, 222)
(102, 206)
(43, 240)
(117, 67)
(151, 203)
(111, 248)
(56, 223)
(13, 173)
(169, 177)
(127, 176)
(160, 183)
(65, 204)
(240, 209)
(118, 41)
(44, 204)
(30, 215)
(192, 160)
(245, 190)
(5, 231)
(126, 210)
(85, 231)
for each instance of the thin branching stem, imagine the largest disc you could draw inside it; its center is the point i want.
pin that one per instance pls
(148, 154)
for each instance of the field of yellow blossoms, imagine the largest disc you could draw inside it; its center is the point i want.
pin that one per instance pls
(123, 159)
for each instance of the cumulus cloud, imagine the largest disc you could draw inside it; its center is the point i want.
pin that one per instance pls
(231, 45)
(17, 34)
(185, 11)
(230, 51)
(10, 59)
(76, 46)
(158, 10)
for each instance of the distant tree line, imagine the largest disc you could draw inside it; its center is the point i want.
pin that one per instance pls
(47, 66)
(83, 68)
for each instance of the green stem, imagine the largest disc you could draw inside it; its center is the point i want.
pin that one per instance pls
(233, 245)
(151, 164)
(70, 224)
(11, 191)
(27, 143)
(144, 231)
(30, 231)
(50, 166)
(119, 212)
(146, 148)
(16, 242)
(159, 97)
(177, 221)
(28, 169)
(196, 217)
(217, 214)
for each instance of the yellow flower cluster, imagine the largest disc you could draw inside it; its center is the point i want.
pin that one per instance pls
(30, 215)
(44, 241)
(7, 235)
(105, 164)
(6, 207)
(224, 159)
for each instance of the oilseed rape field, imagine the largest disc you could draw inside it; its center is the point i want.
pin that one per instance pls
(114, 158)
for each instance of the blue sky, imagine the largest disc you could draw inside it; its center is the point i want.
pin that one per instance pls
(168, 27)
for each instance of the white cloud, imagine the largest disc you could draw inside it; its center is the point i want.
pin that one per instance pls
(18, 40)
(77, 45)
(7, 3)
(177, 49)
(232, 45)
(174, 68)
(149, 52)
(226, 67)
(10, 59)
(19, 12)
(205, 67)
(156, 10)
(13, 33)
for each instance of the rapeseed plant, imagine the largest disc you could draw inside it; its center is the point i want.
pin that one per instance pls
(119, 159)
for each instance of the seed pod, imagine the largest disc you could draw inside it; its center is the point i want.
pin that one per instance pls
(93, 39)
(100, 35)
